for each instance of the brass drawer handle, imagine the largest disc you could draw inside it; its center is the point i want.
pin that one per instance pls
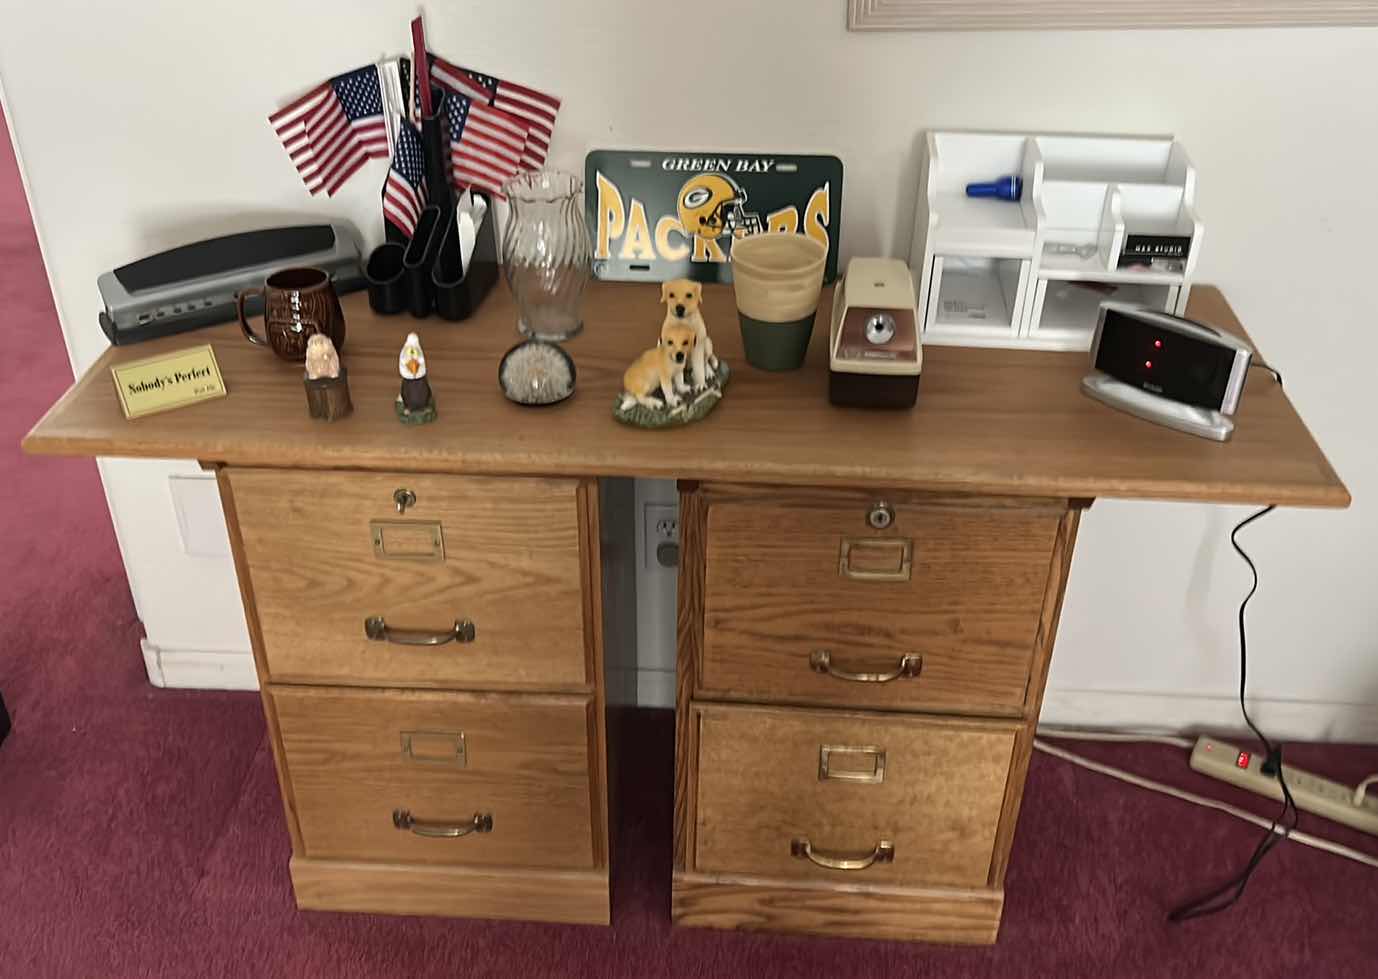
(378, 630)
(801, 848)
(822, 662)
(481, 823)
(889, 559)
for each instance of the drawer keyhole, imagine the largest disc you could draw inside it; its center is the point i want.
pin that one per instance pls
(404, 498)
(880, 516)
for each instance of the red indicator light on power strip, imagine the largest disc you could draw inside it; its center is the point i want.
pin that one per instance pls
(1243, 760)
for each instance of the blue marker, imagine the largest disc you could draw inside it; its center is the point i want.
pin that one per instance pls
(1006, 189)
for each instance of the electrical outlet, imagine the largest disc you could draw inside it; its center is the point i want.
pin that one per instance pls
(1311, 793)
(661, 535)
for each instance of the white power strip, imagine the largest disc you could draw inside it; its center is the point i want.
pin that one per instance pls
(1311, 793)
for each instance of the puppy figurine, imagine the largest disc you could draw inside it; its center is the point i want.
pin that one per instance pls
(683, 299)
(660, 368)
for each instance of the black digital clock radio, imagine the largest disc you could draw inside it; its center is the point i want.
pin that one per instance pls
(1167, 369)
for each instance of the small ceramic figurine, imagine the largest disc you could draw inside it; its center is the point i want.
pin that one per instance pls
(683, 300)
(327, 383)
(660, 370)
(415, 402)
(681, 364)
(321, 358)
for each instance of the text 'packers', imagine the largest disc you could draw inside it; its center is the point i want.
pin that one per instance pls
(710, 206)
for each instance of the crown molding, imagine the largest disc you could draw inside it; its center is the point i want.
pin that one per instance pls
(1006, 15)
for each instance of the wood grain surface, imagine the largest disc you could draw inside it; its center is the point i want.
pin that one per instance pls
(246, 596)
(996, 421)
(759, 787)
(693, 520)
(1059, 568)
(961, 917)
(512, 893)
(512, 565)
(970, 609)
(526, 763)
(591, 582)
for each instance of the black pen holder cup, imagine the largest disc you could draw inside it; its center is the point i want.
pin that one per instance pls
(386, 278)
(418, 259)
(435, 147)
(459, 290)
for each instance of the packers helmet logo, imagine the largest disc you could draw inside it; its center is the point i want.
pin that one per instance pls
(710, 206)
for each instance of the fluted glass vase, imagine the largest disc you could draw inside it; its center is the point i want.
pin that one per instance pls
(546, 253)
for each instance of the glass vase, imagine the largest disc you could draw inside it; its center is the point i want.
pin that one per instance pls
(546, 253)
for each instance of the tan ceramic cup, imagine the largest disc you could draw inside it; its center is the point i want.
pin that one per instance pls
(777, 278)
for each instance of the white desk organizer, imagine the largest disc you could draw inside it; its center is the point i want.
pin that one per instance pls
(1033, 273)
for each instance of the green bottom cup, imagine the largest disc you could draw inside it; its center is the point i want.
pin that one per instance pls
(776, 346)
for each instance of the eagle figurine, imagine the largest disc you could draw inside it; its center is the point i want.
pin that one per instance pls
(415, 402)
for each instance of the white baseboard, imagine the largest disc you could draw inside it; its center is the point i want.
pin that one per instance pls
(1285, 720)
(199, 669)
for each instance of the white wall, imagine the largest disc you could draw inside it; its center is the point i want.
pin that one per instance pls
(150, 130)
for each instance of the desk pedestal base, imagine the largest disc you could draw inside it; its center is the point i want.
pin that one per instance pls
(498, 892)
(931, 914)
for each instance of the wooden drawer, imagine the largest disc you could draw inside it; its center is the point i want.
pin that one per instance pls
(354, 758)
(806, 603)
(770, 779)
(328, 550)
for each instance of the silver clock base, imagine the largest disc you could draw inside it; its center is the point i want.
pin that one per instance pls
(1201, 422)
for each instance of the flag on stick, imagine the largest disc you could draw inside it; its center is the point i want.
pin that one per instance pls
(332, 130)
(404, 193)
(533, 107)
(486, 144)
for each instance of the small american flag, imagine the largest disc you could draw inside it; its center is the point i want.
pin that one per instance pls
(333, 129)
(536, 109)
(404, 194)
(486, 144)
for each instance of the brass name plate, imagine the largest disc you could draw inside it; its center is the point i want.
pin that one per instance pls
(407, 540)
(435, 748)
(851, 763)
(872, 559)
(169, 381)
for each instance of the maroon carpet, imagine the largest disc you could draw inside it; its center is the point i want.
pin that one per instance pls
(141, 833)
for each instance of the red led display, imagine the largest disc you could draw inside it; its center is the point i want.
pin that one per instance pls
(1243, 760)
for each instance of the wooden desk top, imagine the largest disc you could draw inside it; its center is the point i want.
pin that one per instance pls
(987, 421)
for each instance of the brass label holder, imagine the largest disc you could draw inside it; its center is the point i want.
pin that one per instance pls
(435, 748)
(872, 774)
(407, 540)
(871, 559)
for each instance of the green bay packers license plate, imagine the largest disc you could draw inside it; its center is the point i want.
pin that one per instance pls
(655, 216)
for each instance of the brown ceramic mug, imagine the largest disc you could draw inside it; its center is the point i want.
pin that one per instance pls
(296, 304)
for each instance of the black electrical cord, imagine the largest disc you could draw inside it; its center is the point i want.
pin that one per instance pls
(1259, 365)
(1229, 892)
